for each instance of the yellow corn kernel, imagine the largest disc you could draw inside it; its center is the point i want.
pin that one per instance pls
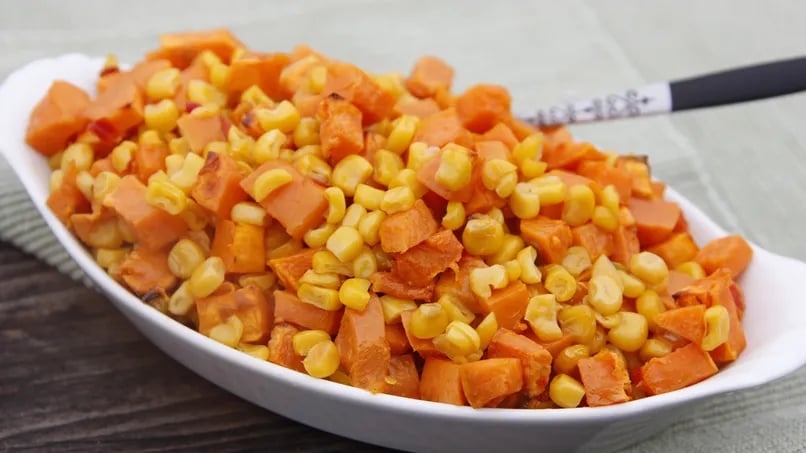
(159, 176)
(604, 219)
(633, 287)
(216, 147)
(209, 58)
(567, 360)
(691, 268)
(609, 198)
(368, 197)
(219, 75)
(525, 201)
(84, 182)
(611, 158)
(429, 320)
(560, 283)
(456, 309)
(579, 322)
(530, 274)
(105, 235)
(346, 243)
(322, 360)
(166, 196)
(207, 277)
(324, 298)
(403, 130)
(350, 172)
(304, 341)
(336, 205)
(258, 351)
(56, 180)
(717, 327)
(107, 257)
(487, 329)
(550, 189)
(265, 281)
(328, 280)
(370, 225)
(249, 213)
(354, 293)
(530, 148)
(650, 305)
(126, 231)
(179, 145)
(579, 205)
(607, 321)
(483, 278)
(255, 96)
(603, 266)
(78, 155)
(392, 83)
(284, 117)
(532, 168)
(269, 181)
(340, 377)
(173, 162)
(454, 217)
(630, 333)
(195, 216)
(455, 167)
(318, 237)
(163, 84)
(393, 306)
(204, 93)
(604, 294)
(577, 260)
(513, 270)
(325, 262)
(314, 167)
(268, 146)
(188, 174)
(387, 166)
(397, 199)
(510, 246)
(382, 127)
(419, 154)
(161, 116)
(316, 79)
(306, 132)
(649, 267)
(483, 236)
(499, 175)
(365, 264)
(498, 215)
(599, 340)
(55, 161)
(654, 348)
(181, 301)
(458, 342)
(408, 178)
(541, 315)
(353, 215)
(566, 391)
(206, 111)
(228, 333)
(185, 256)
(383, 259)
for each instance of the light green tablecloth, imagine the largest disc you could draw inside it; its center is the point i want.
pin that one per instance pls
(742, 165)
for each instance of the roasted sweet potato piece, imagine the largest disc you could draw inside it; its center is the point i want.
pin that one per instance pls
(420, 108)
(676, 250)
(67, 199)
(218, 188)
(403, 230)
(429, 75)
(149, 158)
(605, 378)
(501, 133)
(362, 346)
(457, 283)
(687, 322)
(730, 252)
(120, 105)
(487, 382)
(404, 380)
(397, 339)
(200, 131)
(354, 85)
(535, 360)
(281, 347)
(441, 382)
(421, 263)
(289, 269)
(57, 117)
(424, 347)
(263, 71)
(340, 130)
(550, 237)
(655, 219)
(595, 240)
(481, 107)
(391, 284)
(240, 246)
(569, 154)
(605, 175)
(680, 368)
(508, 304)
(625, 244)
(288, 308)
(182, 48)
(442, 128)
(145, 270)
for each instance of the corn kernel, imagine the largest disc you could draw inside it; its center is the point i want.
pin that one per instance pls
(579, 205)
(173, 162)
(419, 154)
(499, 175)
(603, 266)
(579, 322)
(304, 341)
(403, 130)
(255, 96)
(195, 216)
(456, 309)
(219, 75)
(370, 225)
(207, 277)
(210, 58)
(181, 301)
(306, 132)
(486, 330)
(483, 236)
(566, 391)
(650, 305)
(336, 205)
(387, 166)
(185, 256)
(368, 197)
(229, 333)
(188, 174)
(249, 213)
(625, 217)
(206, 111)
(353, 215)
(322, 360)
(604, 294)
(166, 196)
(55, 161)
(508, 250)
(354, 293)
(529, 149)
(576, 260)
(327, 280)
(482, 278)
(78, 155)
(284, 116)
(316, 79)
(567, 361)
(630, 333)
(346, 243)
(429, 320)
(216, 147)
(692, 269)
(265, 281)
(541, 315)
(84, 182)
(324, 298)
(530, 274)
(393, 306)
(604, 219)
(392, 83)
(126, 231)
(315, 168)
(633, 287)
(454, 217)
(560, 283)
(269, 181)
(397, 199)
(179, 145)
(105, 234)
(649, 267)
(204, 93)
(717, 327)
(382, 127)
(609, 198)
(513, 270)
(318, 237)
(455, 167)
(163, 84)
(325, 262)
(107, 257)
(525, 201)
(350, 172)
(340, 377)
(408, 178)
(161, 116)
(258, 351)
(654, 348)
(550, 189)
(268, 146)
(458, 342)
(56, 180)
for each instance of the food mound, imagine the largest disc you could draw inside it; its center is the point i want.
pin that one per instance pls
(382, 232)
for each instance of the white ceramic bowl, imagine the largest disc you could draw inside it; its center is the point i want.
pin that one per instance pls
(773, 322)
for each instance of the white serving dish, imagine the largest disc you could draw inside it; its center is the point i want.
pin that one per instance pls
(773, 322)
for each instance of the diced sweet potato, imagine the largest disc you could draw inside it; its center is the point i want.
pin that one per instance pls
(57, 117)
(676, 250)
(391, 284)
(605, 175)
(403, 230)
(362, 346)
(397, 339)
(625, 244)
(427, 176)
(680, 368)
(240, 246)
(442, 128)
(200, 131)
(655, 219)
(481, 107)
(487, 382)
(182, 48)
(216, 308)
(354, 85)
(281, 347)
(299, 205)
(152, 227)
(508, 304)
(340, 130)
(595, 240)
(686, 322)
(429, 75)
(457, 283)
(92, 228)
(605, 378)
(67, 200)
(149, 158)
(256, 312)
(289, 269)
(502, 133)
(535, 360)
(677, 281)
(218, 188)
(441, 382)
(420, 108)
(553, 347)
(568, 154)
(263, 71)
(288, 308)
(421, 263)
(551, 238)
(730, 252)
(120, 105)
(145, 270)
(403, 377)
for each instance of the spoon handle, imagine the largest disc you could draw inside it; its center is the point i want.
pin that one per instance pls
(732, 86)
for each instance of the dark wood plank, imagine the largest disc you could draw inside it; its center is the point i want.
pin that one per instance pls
(76, 376)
